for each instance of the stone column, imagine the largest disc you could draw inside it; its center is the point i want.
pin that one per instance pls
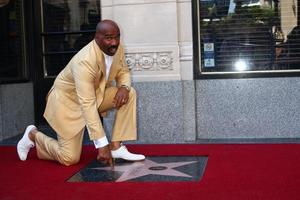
(184, 13)
(185, 36)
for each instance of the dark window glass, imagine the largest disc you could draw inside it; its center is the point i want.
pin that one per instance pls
(67, 27)
(12, 55)
(248, 35)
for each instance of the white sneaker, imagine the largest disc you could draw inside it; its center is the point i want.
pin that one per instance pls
(25, 144)
(123, 153)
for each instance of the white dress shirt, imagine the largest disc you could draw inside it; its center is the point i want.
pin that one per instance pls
(101, 142)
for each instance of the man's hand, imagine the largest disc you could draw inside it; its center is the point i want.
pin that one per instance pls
(104, 156)
(121, 97)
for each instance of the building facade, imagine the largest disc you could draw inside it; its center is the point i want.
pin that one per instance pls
(175, 50)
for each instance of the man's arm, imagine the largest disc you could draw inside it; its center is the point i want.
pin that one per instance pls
(84, 77)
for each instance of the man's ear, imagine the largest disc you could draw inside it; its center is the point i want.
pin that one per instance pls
(97, 36)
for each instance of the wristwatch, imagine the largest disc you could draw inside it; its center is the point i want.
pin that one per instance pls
(126, 87)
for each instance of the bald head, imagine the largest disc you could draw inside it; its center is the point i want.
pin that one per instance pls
(108, 36)
(105, 25)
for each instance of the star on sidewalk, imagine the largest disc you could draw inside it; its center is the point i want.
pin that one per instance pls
(147, 167)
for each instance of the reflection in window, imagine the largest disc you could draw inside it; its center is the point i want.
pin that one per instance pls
(68, 25)
(249, 35)
(12, 55)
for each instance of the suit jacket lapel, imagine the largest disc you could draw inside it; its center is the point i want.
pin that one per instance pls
(114, 66)
(100, 80)
(100, 61)
(102, 65)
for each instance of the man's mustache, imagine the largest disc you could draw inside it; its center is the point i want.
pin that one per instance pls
(112, 47)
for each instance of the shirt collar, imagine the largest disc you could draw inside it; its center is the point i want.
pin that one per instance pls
(107, 56)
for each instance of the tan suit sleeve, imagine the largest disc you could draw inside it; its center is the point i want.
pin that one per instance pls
(123, 75)
(84, 78)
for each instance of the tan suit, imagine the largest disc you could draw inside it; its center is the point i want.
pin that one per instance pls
(79, 93)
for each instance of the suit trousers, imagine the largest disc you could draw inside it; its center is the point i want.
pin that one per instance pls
(68, 151)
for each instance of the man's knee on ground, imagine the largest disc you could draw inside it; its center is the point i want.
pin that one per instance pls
(68, 160)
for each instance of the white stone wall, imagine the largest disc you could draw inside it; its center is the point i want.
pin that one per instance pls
(157, 35)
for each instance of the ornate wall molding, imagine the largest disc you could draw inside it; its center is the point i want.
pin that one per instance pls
(150, 61)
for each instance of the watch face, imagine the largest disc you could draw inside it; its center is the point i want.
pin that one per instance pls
(126, 87)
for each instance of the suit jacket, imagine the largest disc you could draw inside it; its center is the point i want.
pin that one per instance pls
(78, 90)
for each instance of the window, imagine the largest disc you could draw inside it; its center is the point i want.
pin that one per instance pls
(67, 26)
(246, 36)
(12, 41)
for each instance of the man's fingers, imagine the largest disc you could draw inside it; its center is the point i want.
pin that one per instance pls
(105, 161)
(119, 102)
(111, 163)
(104, 155)
(121, 98)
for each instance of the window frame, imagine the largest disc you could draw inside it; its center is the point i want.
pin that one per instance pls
(50, 53)
(198, 74)
(48, 34)
(24, 75)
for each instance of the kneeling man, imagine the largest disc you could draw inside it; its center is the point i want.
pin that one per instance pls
(81, 92)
